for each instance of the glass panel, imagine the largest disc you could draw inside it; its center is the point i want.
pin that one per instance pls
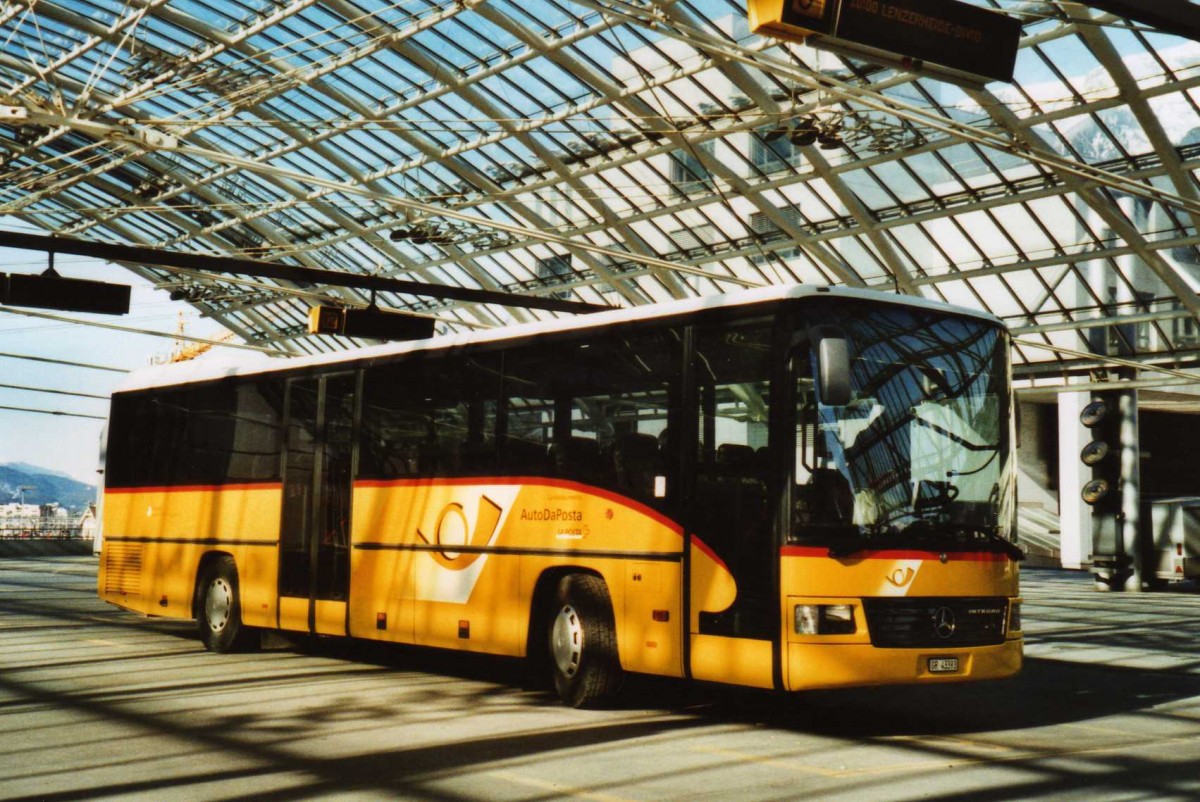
(731, 509)
(295, 526)
(772, 151)
(257, 433)
(202, 450)
(688, 173)
(596, 412)
(333, 547)
(142, 441)
(197, 436)
(430, 418)
(920, 456)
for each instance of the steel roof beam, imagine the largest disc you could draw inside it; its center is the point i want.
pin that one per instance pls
(1104, 50)
(251, 267)
(232, 42)
(1177, 17)
(1010, 141)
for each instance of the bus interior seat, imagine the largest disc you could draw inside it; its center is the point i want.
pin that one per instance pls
(478, 455)
(732, 504)
(830, 497)
(577, 458)
(523, 456)
(735, 459)
(762, 462)
(637, 462)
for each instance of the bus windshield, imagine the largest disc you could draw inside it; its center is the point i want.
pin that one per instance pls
(920, 456)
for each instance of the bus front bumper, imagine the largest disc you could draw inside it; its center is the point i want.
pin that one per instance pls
(819, 665)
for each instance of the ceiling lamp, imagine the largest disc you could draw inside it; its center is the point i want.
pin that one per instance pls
(830, 138)
(423, 233)
(804, 134)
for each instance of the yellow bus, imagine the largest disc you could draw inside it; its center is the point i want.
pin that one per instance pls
(789, 488)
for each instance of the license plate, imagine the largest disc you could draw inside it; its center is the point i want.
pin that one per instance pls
(943, 665)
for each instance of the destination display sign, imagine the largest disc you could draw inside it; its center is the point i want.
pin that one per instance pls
(949, 33)
(816, 16)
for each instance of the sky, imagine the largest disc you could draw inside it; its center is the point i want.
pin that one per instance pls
(71, 445)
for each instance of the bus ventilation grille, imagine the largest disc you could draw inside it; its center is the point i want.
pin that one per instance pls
(926, 623)
(123, 568)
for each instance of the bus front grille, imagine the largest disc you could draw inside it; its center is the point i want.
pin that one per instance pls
(936, 622)
(123, 568)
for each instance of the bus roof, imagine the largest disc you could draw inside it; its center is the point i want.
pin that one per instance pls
(223, 367)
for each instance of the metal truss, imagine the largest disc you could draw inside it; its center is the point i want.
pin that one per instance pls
(610, 153)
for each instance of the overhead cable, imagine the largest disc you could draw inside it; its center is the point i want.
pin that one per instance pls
(55, 412)
(64, 362)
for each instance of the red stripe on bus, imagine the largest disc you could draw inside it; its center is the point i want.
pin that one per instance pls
(541, 481)
(194, 488)
(897, 554)
(712, 555)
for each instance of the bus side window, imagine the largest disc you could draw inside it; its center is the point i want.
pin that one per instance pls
(597, 408)
(430, 417)
(526, 439)
(637, 461)
(393, 428)
(579, 458)
(132, 435)
(257, 432)
(527, 400)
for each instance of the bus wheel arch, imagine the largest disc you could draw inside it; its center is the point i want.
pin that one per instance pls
(542, 607)
(217, 605)
(581, 640)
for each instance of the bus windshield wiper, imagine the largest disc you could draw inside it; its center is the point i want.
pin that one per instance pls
(850, 546)
(860, 542)
(1012, 550)
(951, 535)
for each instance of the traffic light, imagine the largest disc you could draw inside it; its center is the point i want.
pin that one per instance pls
(370, 323)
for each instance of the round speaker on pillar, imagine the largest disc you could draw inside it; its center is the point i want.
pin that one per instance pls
(1101, 417)
(1094, 491)
(1094, 413)
(1094, 452)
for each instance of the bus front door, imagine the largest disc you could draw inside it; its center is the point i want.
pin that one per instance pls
(735, 618)
(314, 538)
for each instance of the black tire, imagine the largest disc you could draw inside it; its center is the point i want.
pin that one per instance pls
(583, 643)
(219, 608)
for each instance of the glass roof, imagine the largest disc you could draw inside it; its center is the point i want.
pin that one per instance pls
(619, 153)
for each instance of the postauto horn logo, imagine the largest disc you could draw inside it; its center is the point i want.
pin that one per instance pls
(451, 527)
(454, 542)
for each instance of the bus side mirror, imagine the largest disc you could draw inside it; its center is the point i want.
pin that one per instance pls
(833, 370)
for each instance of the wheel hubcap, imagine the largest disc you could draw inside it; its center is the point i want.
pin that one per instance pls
(218, 603)
(566, 641)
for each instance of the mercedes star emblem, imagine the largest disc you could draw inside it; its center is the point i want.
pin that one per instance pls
(943, 622)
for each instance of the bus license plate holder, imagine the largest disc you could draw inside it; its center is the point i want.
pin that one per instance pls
(942, 665)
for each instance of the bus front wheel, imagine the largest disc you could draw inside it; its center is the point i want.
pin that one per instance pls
(583, 643)
(218, 608)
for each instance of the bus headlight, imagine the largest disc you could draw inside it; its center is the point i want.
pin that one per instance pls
(824, 619)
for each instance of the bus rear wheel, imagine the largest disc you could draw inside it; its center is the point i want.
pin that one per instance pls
(219, 610)
(583, 643)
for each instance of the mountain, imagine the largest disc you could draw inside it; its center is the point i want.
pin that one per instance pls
(27, 468)
(47, 486)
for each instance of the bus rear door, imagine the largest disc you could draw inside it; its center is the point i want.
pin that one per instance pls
(314, 538)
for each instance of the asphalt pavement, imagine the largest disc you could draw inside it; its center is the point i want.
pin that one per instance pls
(98, 703)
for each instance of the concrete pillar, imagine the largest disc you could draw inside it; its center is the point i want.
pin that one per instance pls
(1131, 489)
(1074, 516)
